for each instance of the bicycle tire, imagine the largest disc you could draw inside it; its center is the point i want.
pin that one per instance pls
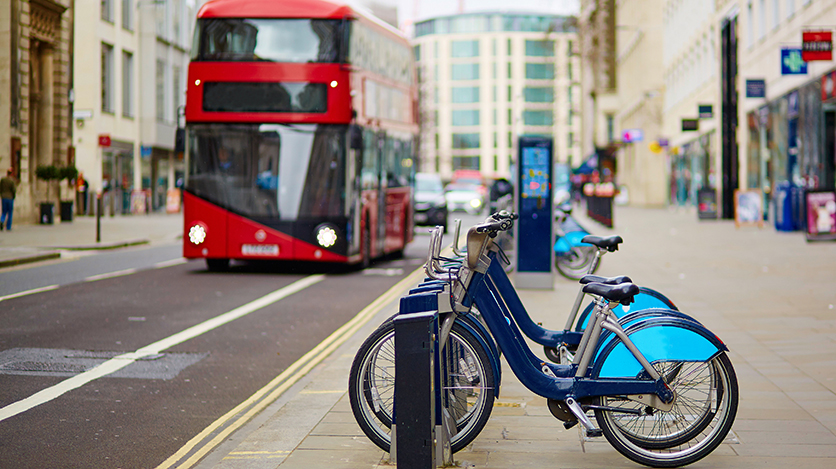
(371, 385)
(574, 265)
(703, 435)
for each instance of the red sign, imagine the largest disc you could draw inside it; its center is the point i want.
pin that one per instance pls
(816, 45)
(104, 140)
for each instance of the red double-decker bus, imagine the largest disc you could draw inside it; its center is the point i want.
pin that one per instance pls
(300, 134)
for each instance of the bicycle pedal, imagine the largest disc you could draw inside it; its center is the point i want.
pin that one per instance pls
(596, 432)
(568, 425)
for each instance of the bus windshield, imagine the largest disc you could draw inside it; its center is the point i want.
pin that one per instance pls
(270, 171)
(276, 40)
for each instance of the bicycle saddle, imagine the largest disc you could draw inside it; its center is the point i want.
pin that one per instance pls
(605, 280)
(610, 243)
(622, 293)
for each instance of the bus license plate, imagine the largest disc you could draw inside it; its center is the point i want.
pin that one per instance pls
(260, 249)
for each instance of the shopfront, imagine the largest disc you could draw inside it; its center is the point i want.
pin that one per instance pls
(792, 142)
(693, 169)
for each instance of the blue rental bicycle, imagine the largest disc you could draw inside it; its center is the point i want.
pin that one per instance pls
(659, 384)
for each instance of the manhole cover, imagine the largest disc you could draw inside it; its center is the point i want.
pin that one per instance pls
(63, 362)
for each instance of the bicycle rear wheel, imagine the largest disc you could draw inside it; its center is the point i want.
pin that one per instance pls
(703, 413)
(468, 385)
(574, 264)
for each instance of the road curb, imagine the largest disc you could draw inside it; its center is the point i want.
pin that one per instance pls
(29, 259)
(103, 246)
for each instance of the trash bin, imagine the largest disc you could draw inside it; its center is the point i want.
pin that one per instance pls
(66, 210)
(47, 213)
(784, 220)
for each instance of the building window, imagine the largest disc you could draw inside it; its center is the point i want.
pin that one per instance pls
(510, 94)
(494, 47)
(494, 93)
(610, 128)
(570, 140)
(569, 51)
(494, 117)
(539, 71)
(790, 8)
(465, 71)
(107, 10)
(509, 69)
(128, 15)
(538, 95)
(495, 140)
(510, 117)
(160, 90)
(538, 117)
(437, 141)
(417, 50)
(465, 49)
(761, 19)
(176, 94)
(127, 84)
(107, 77)
(535, 48)
(509, 47)
(465, 141)
(465, 94)
(510, 140)
(466, 117)
(750, 23)
(465, 162)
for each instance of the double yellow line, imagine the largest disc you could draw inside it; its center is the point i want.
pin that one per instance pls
(219, 430)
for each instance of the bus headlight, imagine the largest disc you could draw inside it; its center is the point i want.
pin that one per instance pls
(475, 203)
(197, 233)
(326, 236)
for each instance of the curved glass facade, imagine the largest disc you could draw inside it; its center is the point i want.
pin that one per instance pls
(494, 22)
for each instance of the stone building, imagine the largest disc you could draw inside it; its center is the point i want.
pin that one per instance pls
(35, 82)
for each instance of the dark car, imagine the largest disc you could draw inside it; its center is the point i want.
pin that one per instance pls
(430, 204)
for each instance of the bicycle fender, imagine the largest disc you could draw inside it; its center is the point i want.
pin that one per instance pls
(646, 299)
(477, 330)
(635, 317)
(658, 339)
(565, 243)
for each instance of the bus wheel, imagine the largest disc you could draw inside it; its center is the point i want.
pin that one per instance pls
(217, 265)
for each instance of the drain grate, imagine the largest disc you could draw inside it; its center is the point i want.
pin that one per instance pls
(63, 362)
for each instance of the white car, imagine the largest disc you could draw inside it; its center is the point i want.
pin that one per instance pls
(464, 197)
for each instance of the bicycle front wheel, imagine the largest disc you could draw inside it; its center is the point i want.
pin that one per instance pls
(468, 385)
(703, 412)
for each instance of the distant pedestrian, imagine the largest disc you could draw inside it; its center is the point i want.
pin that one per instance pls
(8, 189)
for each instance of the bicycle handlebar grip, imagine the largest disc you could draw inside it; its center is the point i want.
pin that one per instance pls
(494, 226)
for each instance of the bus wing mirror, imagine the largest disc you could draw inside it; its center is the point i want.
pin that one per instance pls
(355, 136)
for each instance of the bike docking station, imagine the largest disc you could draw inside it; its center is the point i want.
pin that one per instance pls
(422, 426)
(534, 230)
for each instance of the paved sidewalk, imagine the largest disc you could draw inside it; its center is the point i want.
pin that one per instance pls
(770, 296)
(32, 243)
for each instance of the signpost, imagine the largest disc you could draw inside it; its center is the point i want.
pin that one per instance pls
(756, 88)
(791, 62)
(816, 45)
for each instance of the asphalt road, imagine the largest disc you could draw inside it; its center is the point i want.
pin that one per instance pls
(108, 305)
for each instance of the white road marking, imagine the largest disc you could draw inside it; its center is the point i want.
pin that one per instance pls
(118, 273)
(121, 361)
(160, 265)
(29, 292)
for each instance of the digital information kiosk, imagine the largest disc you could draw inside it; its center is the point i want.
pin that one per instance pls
(534, 231)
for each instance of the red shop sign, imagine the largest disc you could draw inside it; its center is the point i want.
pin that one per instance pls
(816, 45)
(104, 140)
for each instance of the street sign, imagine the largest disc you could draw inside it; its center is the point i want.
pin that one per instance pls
(756, 88)
(690, 125)
(706, 111)
(816, 45)
(632, 135)
(791, 62)
(104, 140)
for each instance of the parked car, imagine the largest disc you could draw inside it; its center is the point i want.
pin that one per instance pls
(465, 197)
(430, 202)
